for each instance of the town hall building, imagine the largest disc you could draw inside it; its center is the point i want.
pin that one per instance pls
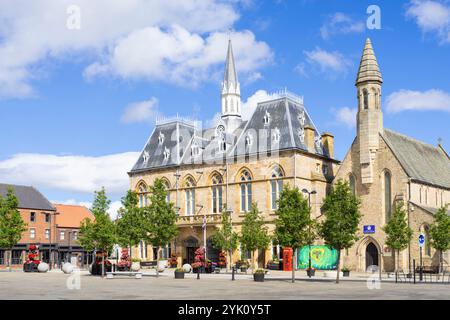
(239, 162)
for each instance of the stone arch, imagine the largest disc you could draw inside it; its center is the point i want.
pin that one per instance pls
(214, 174)
(361, 252)
(166, 182)
(141, 186)
(187, 180)
(241, 171)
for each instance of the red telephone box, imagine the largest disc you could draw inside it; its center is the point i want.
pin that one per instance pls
(287, 259)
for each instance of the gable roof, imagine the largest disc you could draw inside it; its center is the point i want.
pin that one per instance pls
(70, 216)
(422, 162)
(29, 197)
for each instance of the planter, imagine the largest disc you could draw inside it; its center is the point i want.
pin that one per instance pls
(179, 275)
(30, 267)
(310, 273)
(346, 273)
(258, 277)
(135, 266)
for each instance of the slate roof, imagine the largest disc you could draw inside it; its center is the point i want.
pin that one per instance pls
(287, 115)
(428, 209)
(422, 162)
(29, 197)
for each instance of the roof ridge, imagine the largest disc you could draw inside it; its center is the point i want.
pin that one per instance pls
(413, 139)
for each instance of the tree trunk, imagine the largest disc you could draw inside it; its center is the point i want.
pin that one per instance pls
(103, 264)
(230, 257)
(398, 261)
(293, 265)
(441, 262)
(8, 259)
(157, 261)
(252, 261)
(338, 266)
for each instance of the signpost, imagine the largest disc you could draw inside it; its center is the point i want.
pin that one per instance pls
(421, 244)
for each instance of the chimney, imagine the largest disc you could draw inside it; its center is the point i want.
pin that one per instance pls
(309, 138)
(328, 143)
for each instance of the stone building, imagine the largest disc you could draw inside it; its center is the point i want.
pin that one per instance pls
(233, 164)
(384, 167)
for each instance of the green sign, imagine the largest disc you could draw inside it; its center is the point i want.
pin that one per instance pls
(322, 258)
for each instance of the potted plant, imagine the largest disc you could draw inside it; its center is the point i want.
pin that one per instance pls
(199, 261)
(173, 261)
(125, 261)
(222, 260)
(179, 273)
(244, 266)
(135, 264)
(258, 276)
(311, 272)
(346, 271)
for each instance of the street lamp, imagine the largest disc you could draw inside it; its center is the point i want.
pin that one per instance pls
(230, 213)
(309, 227)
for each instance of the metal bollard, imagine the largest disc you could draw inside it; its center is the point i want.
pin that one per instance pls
(232, 273)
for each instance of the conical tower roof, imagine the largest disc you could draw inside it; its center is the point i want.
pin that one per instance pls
(368, 67)
(230, 68)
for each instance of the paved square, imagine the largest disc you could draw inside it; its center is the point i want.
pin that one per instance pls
(53, 285)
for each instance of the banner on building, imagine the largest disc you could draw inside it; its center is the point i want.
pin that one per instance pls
(322, 258)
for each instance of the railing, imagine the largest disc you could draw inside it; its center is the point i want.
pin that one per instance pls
(198, 219)
(177, 118)
(16, 261)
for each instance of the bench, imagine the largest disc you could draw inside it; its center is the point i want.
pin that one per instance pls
(110, 275)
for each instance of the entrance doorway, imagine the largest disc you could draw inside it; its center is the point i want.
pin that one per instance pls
(190, 244)
(371, 255)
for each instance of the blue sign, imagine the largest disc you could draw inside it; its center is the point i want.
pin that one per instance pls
(369, 229)
(421, 240)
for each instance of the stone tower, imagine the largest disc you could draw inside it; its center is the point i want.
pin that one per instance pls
(231, 94)
(370, 117)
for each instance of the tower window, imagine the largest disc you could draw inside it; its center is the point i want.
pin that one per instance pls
(387, 196)
(366, 99)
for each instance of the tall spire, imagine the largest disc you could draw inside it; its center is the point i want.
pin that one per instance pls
(368, 68)
(230, 68)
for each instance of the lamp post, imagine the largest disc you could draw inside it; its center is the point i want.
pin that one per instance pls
(230, 212)
(309, 227)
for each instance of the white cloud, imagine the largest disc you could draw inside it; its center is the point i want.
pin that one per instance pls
(144, 111)
(331, 64)
(182, 57)
(418, 100)
(346, 116)
(431, 16)
(340, 23)
(79, 174)
(35, 32)
(113, 207)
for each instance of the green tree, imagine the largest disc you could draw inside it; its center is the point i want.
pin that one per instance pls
(130, 223)
(160, 218)
(99, 234)
(342, 217)
(254, 233)
(398, 233)
(293, 222)
(440, 233)
(225, 238)
(11, 223)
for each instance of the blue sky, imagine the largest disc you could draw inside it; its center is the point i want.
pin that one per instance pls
(76, 104)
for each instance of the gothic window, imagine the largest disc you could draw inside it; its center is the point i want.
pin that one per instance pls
(352, 182)
(217, 193)
(387, 196)
(195, 149)
(246, 191)
(276, 186)
(220, 132)
(366, 99)
(276, 135)
(161, 138)
(167, 189)
(142, 194)
(377, 100)
(266, 118)
(190, 196)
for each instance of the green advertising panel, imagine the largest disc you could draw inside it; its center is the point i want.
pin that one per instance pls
(322, 258)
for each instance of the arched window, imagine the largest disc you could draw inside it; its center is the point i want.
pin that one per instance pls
(387, 196)
(167, 189)
(217, 193)
(352, 183)
(246, 191)
(366, 99)
(427, 245)
(142, 194)
(190, 196)
(276, 186)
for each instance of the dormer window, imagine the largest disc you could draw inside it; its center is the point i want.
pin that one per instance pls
(301, 134)
(318, 143)
(302, 118)
(266, 118)
(166, 153)
(248, 140)
(276, 135)
(222, 145)
(161, 138)
(195, 149)
(146, 156)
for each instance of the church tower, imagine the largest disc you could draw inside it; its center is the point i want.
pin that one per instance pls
(231, 94)
(370, 117)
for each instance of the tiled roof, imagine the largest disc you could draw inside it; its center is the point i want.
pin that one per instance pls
(29, 197)
(422, 162)
(70, 216)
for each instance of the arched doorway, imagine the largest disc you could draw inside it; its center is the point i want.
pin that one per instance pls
(190, 245)
(371, 255)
